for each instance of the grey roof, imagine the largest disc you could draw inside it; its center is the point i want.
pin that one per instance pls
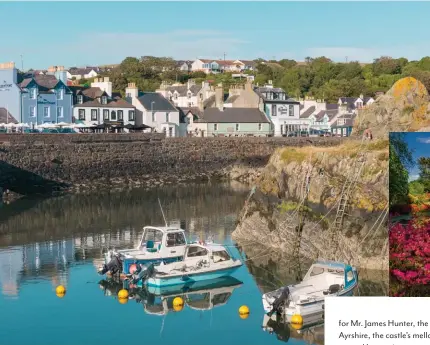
(6, 117)
(159, 103)
(194, 110)
(111, 103)
(183, 89)
(308, 112)
(231, 99)
(234, 115)
(301, 106)
(330, 106)
(367, 99)
(82, 71)
(261, 90)
(330, 114)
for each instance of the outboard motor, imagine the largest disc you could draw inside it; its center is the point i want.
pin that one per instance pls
(114, 266)
(277, 303)
(142, 273)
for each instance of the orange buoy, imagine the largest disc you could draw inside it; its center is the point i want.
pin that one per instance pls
(133, 268)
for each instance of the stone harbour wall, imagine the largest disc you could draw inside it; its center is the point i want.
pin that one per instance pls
(94, 160)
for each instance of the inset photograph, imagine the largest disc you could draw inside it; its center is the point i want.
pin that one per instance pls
(409, 186)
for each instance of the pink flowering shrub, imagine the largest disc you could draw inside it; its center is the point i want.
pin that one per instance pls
(410, 258)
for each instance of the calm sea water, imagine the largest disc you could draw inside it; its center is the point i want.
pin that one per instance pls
(60, 241)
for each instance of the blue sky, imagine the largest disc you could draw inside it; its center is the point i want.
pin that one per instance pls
(91, 33)
(419, 142)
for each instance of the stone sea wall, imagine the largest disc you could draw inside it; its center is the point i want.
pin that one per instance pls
(36, 163)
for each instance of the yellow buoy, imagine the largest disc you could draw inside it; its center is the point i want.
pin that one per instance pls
(123, 293)
(60, 290)
(296, 321)
(60, 295)
(178, 302)
(123, 300)
(178, 307)
(244, 312)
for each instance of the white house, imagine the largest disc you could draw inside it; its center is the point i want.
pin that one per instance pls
(354, 103)
(156, 111)
(283, 111)
(184, 66)
(186, 95)
(93, 105)
(103, 84)
(204, 65)
(82, 73)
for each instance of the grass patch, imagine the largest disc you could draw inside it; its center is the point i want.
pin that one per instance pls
(378, 145)
(293, 155)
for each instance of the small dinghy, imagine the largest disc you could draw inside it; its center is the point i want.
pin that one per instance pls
(201, 262)
(324, 278)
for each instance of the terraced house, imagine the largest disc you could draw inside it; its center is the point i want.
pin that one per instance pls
(37, 99)
(186, 95)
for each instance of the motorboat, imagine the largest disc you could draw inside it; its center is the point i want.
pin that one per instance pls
(201, 262)
(324, 278)
(157, 245)
(198, 296)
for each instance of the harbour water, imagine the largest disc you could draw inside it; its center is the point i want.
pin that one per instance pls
(44, 243)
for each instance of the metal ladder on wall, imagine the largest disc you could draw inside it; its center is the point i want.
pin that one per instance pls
(344, 202)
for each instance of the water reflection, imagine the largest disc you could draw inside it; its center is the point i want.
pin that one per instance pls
(44, 243)
(201, 296)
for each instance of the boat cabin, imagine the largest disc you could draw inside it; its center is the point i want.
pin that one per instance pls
(209, 299)
(212, 253)
(155, 239)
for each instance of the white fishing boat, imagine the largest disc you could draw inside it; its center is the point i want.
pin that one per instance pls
(201, 262)
(157, 245)
(324, 278)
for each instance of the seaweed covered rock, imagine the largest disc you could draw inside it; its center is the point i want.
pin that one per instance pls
(404, 108)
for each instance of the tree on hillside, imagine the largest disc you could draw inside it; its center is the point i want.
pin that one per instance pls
(386, 65)
(424, 167)
(400, 158)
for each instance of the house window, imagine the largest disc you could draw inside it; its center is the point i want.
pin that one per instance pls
(170, 131)
(81, 114)
(153, 117)
(60, 112)
(32, 111)
(93, 114)
(46, 111)
(113, 115)
(120, 115)
(167, 117)
(201, 97)
(131, 115)
(80, 99)
(60, 94)
(237, 126)
(275, 95)
(260, 126)
(189, 104)
(291, 111)
(176, 96)
(105, 114)
(215, 126)
(189, 95)
(274, 110)
(33, 93)
(128, 95)
(104, 100)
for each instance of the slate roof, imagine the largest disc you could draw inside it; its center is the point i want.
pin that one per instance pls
(160, 102)
(330, 106)
(231, 99)
(308, 112)
(194, 110)
(183, 89)
(82, 71)
(259, 90)
(330, 113)
(112, 103)
(234, 115)
(6, 117)
(47, 82)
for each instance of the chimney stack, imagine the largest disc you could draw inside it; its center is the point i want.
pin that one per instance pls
(219, 97)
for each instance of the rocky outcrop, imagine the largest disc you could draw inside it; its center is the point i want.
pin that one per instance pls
(270, 216)
(404, 108)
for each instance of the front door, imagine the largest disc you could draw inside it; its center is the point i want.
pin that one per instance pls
(170, 131)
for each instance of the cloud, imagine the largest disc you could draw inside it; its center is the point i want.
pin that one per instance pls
(179, 44)
(424, 140)
(413, 177)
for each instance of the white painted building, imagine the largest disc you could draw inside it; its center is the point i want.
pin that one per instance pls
(93, 105)
(282, 111)
(354, 103)
(82, 73)
(156, 111)
(186, 95)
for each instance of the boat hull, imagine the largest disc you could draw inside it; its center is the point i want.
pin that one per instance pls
(158, 281)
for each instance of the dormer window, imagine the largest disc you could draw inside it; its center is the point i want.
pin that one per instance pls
(80, 99)
(104, 100)
(60, 94)
(33, 93)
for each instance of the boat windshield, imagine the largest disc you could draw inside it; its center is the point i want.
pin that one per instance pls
(194, 251)
(175, 239)
(220, 255)
(153, 236)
